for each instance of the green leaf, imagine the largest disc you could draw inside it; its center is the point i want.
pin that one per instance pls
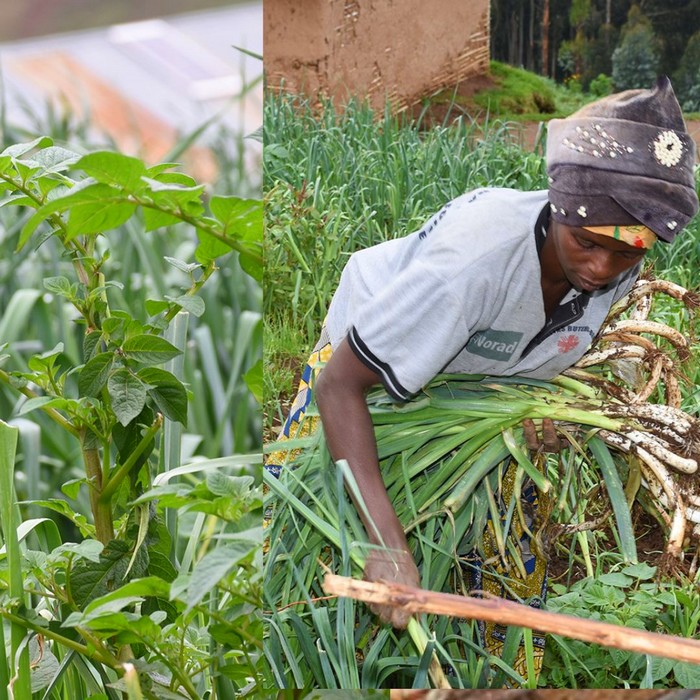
(16, 199)
(161, 606)
(60, 286)
(128, 394)
(44, 665)
(141, 588)
(687, 674)
(167, 392)
(149, 349)
(42, 402)
(93, 376)
(114, 169)
(87, 549)
(619, 656)
(25, 170)
(254, 381)
(641, 571)
(661, 667)
(187, 268)
(176, 193)
(213, 567)
(126, 438)
(62, 507)
(179, 201)
(156, 306)
(252, 265)
(89, 580)
(114, 328)
(210, 247)
(46, 360)
(242, 219)
(176, 178)
(106, 618)
(53, 159)
(94, 207)
(615, 579)
(161, 566)
(97, 216)
(156, 170)
(154, 219)
(190, 303)
(221, 484)
(19, 149)
(71, 488)
(91, 344)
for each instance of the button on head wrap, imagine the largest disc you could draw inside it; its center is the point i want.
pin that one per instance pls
(624, 159)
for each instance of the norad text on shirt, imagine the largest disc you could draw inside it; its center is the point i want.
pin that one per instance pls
(495, 345)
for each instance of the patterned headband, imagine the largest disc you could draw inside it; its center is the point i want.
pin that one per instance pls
(634, 235)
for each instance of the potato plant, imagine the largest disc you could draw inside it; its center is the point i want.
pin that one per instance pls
(117, 608)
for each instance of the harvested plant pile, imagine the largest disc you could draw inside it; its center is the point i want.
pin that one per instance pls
(443, 456)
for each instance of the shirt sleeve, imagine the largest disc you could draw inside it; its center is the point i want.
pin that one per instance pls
(411, 329)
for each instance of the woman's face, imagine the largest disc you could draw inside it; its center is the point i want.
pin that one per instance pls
(590, 261)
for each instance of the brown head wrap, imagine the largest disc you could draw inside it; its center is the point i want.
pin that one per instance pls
(624, 159)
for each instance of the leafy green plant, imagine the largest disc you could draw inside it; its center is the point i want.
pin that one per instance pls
(627, 596)
(601, 85)
(125, 591)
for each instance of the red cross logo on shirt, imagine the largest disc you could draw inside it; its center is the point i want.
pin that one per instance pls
(567, 343)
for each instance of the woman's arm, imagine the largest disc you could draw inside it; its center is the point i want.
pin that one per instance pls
(340, 394)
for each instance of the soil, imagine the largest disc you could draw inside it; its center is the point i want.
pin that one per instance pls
(650, 549)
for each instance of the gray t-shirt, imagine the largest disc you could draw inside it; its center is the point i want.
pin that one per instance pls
(463, 295)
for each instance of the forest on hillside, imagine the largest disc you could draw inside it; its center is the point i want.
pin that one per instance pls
(599, 44)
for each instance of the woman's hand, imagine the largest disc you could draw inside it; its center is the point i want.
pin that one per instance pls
(550, 440)
(392, 566)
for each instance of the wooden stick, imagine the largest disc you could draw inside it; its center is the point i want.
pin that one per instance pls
(506, 612)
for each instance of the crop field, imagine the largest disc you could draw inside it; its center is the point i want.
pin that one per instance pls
(335, 183)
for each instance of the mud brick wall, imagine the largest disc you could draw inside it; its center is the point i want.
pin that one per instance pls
(400, 50)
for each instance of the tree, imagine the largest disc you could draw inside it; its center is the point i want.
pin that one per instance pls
(686, 83)
(635, 61)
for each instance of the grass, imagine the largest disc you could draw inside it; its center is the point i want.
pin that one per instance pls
(514, 94)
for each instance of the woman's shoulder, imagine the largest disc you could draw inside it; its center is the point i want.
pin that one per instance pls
(502, 202)
(493, 217)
